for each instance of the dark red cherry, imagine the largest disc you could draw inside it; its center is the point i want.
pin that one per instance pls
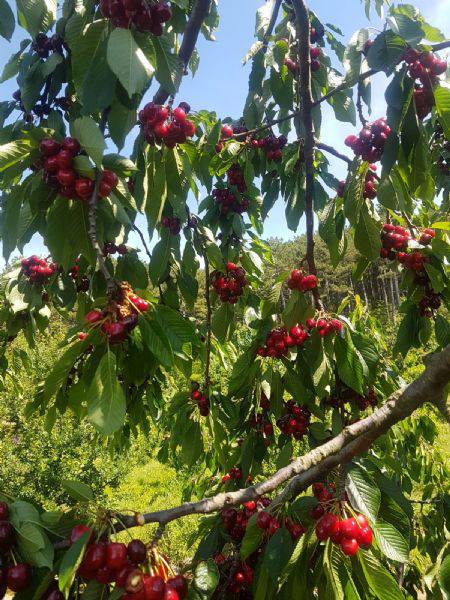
(137, 552)
(71, 145)
(49, 146)
(116, 555)
(19, 577)
(4, 511)
(180, 584)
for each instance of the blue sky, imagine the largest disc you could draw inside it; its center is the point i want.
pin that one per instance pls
(221, 81)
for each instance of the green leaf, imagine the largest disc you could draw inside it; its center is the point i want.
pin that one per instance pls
(127, 61)
(70, 563)
(106, 403)
(386, 51)
(442, 331)
(78, 490)
(169, 69)
(121, 121)
(277, 553)
(442, 99)
(367, 235)
(156, 340)
(444, 576)
(206, 578)
(363, 492)
(90, 137)
(348, 362)
(379, 580)
(252, 538)
(36, 16)
(12, 153)
(222, 320)
(160, 258)
(7, 22)
(10, 221)
(391, 542)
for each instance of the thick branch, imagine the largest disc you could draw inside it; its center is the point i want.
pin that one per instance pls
(352, 441)
(191, 33)
(305, 95)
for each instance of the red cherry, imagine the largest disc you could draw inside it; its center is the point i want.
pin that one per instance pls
(349, 546)
(170, 593)
(19, 577)
(350, 528)
(49, 146)
(104, 189)
(365, 537)
(179, 115)
(71, 145)
(161, 130)
(51, 164)
(116, 555)
(95, 556)
(66, 177)
(84, 187)
(64, 159)
(180, 584)
(110, 177)
(189, 128)
(116, 332)
(350, 140)
(226, 131)
(6, 535)
(263, 519)
(4, 511)
(362, 521)
(78, 530)
(137, 552)
(154, 587)
(93, 316)
(105, 575)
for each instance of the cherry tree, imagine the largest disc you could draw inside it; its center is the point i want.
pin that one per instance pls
(290, 413)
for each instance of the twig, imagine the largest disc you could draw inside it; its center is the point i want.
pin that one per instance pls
(208, 323)
(305, 96)
(270, 28)
(191, 33)
(110, 282)
(359, 107)
(144, 243)
(401, 574)
(409, 223)
(313, 466)
(334, 152)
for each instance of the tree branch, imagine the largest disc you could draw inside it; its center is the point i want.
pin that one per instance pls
(305, 96)
(271, 26)
(191, 33)
(334, 152)
(352, 441)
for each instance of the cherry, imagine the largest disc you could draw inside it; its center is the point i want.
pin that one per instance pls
(64, 159)
(179, 584)
(6, 535)
(116, 555)
(93, 316)
(78, 530)
(105, 575)
(137, 552)
(55, 595)
(66, 177)
(49, 146)
(179, 115)
(18, 577)
(349, 546)
(227, 131)
(4, 511)
(130, 579)
(110, 177)
(350, 528)
(51, 164)
(161, 130)
(365, 537)
(317, 511)
(362, 521)
(71, 145)
(104, 189)
(154, 587)
(84, 187)
(95, 556)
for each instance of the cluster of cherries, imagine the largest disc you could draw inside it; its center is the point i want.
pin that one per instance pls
(369, 144)
(56, 161)
(292, 65)
(346, 395)
(370, 190)
(279, 340)
(114, 562)
(200, 399)
(234, 474)
(301, 282)
(173, 224)
(424, 68)
(349, 533)
(272, 146)
(15, 577)
(38, 270)
(235, 576)
(295, 421)
(111, 248)
(120, 316)
(145, 15)
(236, 177)
(229, 286)
(164, 124)
(261, 422)
(235, 521)
(228, 202)
(82, 283)
(270, 524)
